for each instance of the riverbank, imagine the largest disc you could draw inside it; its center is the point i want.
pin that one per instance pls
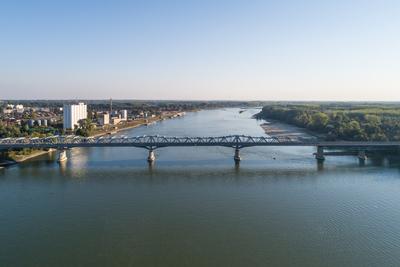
(136, 123)
(18, 158)
(124, 127)
(340, 121)
(279, 129)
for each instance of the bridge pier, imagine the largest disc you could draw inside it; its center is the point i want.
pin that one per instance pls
(320, 153)
(236, 157)
(62, 156)
(152, 157)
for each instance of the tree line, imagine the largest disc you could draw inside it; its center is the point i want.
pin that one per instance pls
(26, 131)
(352, 123)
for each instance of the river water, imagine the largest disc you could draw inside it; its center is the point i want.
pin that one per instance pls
(107, 207)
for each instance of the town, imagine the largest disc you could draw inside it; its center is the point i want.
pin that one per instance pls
(39, 120)
(36, 119)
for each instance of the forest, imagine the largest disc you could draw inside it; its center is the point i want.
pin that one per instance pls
(340, 121)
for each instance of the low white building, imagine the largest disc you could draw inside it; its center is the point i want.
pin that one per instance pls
(19, 108)
(104, 118)
(115, 120)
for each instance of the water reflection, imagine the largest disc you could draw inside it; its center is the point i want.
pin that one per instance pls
(63, 168)
(320, 165)
(181, 171)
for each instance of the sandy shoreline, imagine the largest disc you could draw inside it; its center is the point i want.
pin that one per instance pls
(279, 129)
(35, 154)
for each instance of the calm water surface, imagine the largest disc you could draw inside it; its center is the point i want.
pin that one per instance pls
(107, 207)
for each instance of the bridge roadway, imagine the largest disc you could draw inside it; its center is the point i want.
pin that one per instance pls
(153, 142)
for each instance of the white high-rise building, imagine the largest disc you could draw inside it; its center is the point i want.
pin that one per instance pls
(73, 114)
(124, 115)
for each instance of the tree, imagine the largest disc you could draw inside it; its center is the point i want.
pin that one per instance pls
(319, 121)
(85, 128)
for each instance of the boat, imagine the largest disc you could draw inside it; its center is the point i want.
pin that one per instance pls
(6, 163)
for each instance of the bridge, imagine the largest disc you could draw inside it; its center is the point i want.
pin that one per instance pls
(237, 142)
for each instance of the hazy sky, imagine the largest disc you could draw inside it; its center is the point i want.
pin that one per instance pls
(205, 49)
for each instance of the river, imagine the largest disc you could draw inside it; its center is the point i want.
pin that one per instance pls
(107, 207)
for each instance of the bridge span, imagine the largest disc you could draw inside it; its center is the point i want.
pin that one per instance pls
(237, 142)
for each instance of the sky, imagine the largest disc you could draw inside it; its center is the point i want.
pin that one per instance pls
(200, 50)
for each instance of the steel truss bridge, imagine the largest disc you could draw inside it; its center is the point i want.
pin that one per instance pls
(153, 142)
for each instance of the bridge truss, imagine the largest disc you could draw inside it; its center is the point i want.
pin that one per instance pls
(149, 142)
